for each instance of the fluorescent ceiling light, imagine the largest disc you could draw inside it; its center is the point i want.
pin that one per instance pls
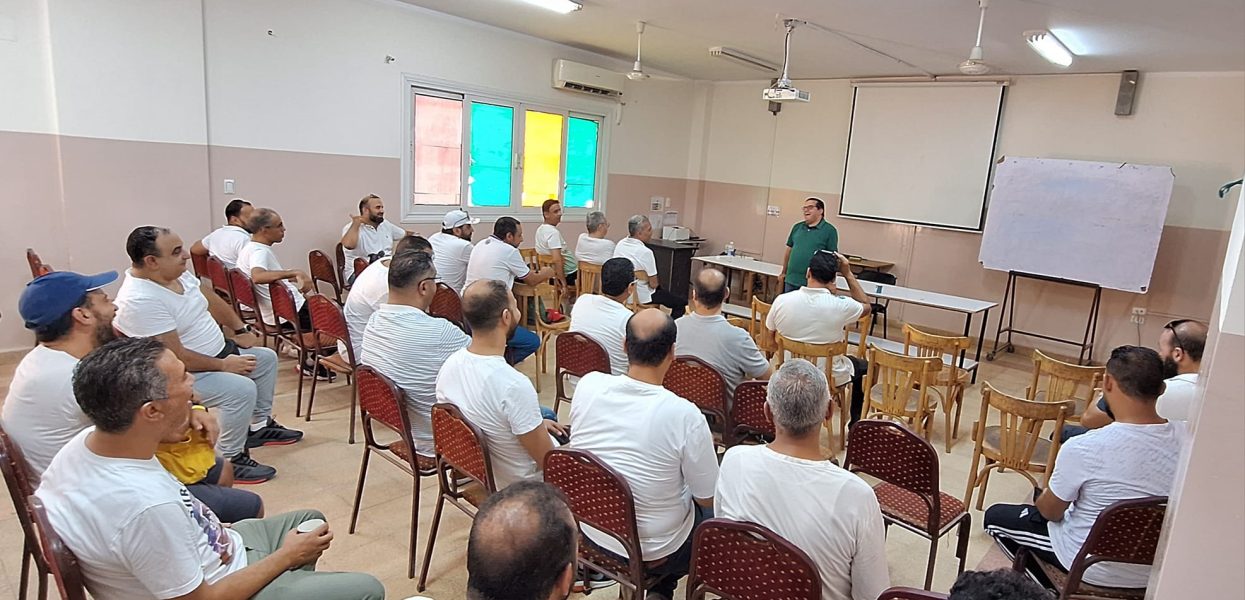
(561, 6)
(1046, 44)
(742, 58)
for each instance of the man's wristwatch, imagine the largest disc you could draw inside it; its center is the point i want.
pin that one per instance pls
(242, 330)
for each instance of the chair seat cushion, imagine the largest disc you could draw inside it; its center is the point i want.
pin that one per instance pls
(902, 505)
(426, 464)
(1059, 578)
(337, 363)
(877, 393)
(1040, 450)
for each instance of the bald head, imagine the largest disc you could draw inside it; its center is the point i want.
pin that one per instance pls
(709, 289)
(650, 338)
(484, 303)
(522, 545)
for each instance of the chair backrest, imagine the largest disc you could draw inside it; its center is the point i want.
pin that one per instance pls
(37, 267)
(359, 265)
(696, 380)
(243, 291)
(907, 593)
(339, 258)
(579, 355)
(322, 270)
(548, 294)
(876, 277)
(219, 276)
(589, 279)
(1055, 380)
(929, 345)
(199, 263)
(547, 260)
(812, 353)
(748, 410)
(61, 560)
(529, 257)
(862, 327)
(447, 305)
(327, 320)
(895, 376)
(283, 306)
(756, 327)
(461, 445)
(634, 301)
(598, 496)
(895, 454)
(745, 561)
(21, 483)
(1126, 532)
(1020, 427)
(380, 399)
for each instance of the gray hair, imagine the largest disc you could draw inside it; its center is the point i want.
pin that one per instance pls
(596, 219)
(635, 224)
(261, 218)
(113, 381)
(798, 397)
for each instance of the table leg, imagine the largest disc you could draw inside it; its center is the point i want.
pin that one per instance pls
(749, 281)
(981, 340)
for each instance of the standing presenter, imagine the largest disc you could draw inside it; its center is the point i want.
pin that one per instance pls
(806, 238)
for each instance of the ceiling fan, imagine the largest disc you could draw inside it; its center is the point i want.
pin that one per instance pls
(637, 70)
(975, 65)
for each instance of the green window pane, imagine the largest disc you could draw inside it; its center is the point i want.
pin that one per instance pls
(581, 162)
(542, 157)
(492, 143)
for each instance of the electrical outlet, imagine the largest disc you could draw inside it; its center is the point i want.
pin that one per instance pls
(1138, 315)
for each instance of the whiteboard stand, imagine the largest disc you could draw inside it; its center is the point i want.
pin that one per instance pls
(1086, 344)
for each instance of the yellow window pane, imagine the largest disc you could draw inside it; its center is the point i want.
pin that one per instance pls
(542, 157)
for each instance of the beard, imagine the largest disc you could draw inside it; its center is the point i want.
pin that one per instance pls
(376, 219)
(104, 333)
(1170, 368)
(510, 334)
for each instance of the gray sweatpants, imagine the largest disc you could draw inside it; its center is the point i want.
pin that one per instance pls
(239, 400)
(264, 536)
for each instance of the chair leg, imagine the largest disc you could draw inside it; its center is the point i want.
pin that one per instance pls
(972, 479)
(410, 559)
(302, 360)
(961, 550)
(985, 482)
(311, 398)
(358, 491)
(432, 538)
(354, 402)
(886, 334)
(27, 555)
(933, 556)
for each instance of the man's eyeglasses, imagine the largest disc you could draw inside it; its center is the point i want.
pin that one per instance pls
(1176, 336)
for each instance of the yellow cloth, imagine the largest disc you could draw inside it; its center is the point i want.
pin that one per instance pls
(188, 460)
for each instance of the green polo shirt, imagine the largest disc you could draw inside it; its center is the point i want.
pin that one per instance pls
(804, 241)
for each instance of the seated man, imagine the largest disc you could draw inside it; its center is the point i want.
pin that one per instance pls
(632, 247)
(707, 335)
(996, 585)
(593, 247)
(71, 316)
(523, 544)
(657, 441)
(549, 242)
(817, 314)
(498, 258)
(497, 398)
(1134, 457)
(406, 344)
(368, 235)
(371, 289)
(603, 317)
(832, 514)
(161, 298)
(451, 248)
(225, 243)
(136, 532)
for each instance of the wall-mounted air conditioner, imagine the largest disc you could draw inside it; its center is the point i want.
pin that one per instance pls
(587, 79)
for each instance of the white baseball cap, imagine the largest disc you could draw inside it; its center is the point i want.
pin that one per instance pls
(457, 218)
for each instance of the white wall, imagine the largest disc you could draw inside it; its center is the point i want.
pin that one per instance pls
(25, 65)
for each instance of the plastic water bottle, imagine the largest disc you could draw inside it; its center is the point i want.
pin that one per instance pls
(730, 248)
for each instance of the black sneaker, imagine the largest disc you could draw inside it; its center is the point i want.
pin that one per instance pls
(594, 581)
(248, 472)
(272, 434)
(319, 372)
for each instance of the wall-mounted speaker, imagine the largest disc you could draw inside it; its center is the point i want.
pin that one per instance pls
(1128, 93)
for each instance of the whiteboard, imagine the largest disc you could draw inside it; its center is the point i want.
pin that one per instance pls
(921, 153)
(1084, 221)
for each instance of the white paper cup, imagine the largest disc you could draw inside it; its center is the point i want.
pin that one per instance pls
(310, 525)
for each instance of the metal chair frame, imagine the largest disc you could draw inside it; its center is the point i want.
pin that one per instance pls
(63, 564)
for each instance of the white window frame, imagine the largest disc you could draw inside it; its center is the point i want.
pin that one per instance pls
(598, 110)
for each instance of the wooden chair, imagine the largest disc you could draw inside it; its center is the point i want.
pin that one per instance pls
(697, 381)
(907, 593)
(600, 498)
(246, 305)
(1016, 443)
(219, 276)
(951, 380)
(633, 302)
(462, 452)
(589, 279)
(381, 401)
(529, 257)
(339, 255)
(748, 417)
(862, 327)
(447, 305)
(893, 388)
(1127, 532)
(21, 484)
(547, 295)
(909, 492)
(839, 394)
(61, 561)
(756, 327)
(576, 355)
(321, 269)
(745, 561)
(329, 324)
(37, 267)
(1056, 381)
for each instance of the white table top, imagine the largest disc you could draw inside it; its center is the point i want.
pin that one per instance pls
(876, 290)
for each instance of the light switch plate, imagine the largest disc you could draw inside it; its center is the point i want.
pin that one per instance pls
(656, 203)
(228, 186)
(772, 211)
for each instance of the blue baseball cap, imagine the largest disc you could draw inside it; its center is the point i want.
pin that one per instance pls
(48, 298)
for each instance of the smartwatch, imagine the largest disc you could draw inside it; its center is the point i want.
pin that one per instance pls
(242, 330)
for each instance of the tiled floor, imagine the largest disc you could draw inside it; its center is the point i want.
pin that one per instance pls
(320, 472)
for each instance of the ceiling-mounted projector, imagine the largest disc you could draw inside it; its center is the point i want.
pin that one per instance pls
(782, 90)
(784, 94)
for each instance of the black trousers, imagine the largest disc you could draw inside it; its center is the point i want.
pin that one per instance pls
(860, 367)
(677, 305)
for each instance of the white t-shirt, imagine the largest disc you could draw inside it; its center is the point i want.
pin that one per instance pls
(605, 321)
(409, 347)
(370, 290)
(41, 413)
(831, 514)
(450, 255)
(816, 316)
(593, 250)
(642, 259)
(373, 239)
(137, 531)
(1177, 399)
(495, 259)
(548, 239)
(1101, 467)
(225, 243)
(725, 347)
(501, 402)
(146, 308)
(260, 255)
(659, 443)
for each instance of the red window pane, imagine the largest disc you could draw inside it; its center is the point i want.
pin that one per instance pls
(438, 132)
